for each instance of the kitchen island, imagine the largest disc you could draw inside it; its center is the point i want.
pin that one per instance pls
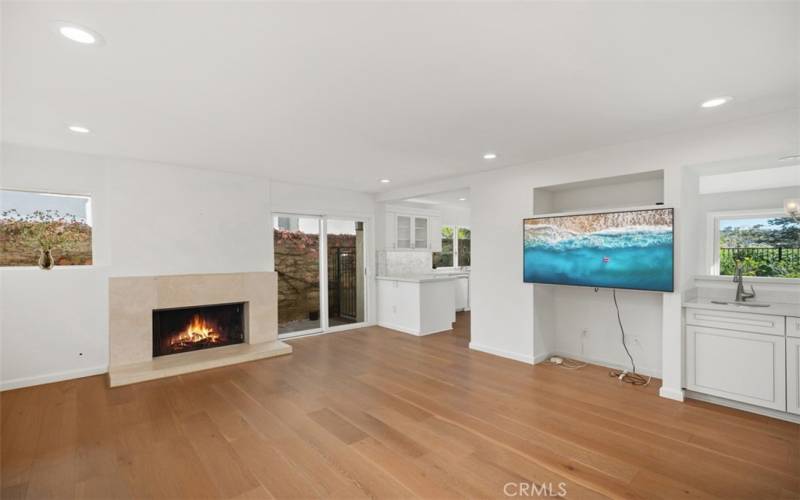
(417, 304)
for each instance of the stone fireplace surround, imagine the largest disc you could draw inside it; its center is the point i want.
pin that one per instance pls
(133, 299)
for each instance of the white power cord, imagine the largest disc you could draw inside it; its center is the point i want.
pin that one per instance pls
(569, 364)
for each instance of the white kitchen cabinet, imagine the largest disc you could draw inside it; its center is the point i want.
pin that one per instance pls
(462, 294)
(418, 306)
(793, 374)
(422, 235)
(404, 231)
(737, 365)
(732, 320)
(792, 326)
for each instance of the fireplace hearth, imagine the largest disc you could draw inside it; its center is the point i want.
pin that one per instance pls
(188, 329)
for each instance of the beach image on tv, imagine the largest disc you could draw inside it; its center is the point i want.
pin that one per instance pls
(612, 250)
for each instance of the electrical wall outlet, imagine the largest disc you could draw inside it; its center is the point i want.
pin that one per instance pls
(584, 334)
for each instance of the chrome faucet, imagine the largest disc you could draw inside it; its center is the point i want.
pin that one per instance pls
(741, 295)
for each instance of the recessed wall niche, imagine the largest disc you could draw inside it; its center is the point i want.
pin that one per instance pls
(580, 323)
(624, 191)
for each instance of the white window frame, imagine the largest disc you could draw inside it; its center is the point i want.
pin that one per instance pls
(712, 231)
(455, 246)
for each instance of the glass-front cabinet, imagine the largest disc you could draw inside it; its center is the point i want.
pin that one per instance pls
(412, 231)
(421, 232)
(404, 230)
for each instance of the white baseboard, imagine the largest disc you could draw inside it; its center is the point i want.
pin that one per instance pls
(674, 394)
(769, 412)
(601, 362)
(503, 354)
(18, 383)
(410, 331)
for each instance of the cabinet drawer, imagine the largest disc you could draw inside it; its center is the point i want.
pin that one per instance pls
(793, 326)
(746, 367)
(745, 322)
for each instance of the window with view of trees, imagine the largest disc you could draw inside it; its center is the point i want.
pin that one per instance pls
(765, 246)
(463, 247)
(455, 248)
(32, 222)
(445, 257)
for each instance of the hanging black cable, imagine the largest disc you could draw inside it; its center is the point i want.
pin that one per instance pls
(622, 329)
(624, 376)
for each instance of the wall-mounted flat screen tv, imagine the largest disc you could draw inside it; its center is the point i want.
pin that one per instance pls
(629, 249)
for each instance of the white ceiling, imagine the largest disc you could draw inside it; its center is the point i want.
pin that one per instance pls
(346, 94)
(447, 198)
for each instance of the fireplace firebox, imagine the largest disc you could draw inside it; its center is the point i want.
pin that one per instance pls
(192, 328)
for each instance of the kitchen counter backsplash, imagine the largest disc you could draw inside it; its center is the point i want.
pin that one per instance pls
(403, 263)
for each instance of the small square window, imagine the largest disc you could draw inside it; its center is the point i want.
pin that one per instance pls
(32, 221)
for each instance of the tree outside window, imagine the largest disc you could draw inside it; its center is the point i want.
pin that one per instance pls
(445, 257)
(455, 248)
(32, 222)
(463, 247)
(765, 246)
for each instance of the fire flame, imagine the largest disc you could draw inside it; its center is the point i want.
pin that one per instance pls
(198, 330)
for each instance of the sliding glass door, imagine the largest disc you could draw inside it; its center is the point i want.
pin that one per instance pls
(345, 252)
(321, 266)
(297, 262)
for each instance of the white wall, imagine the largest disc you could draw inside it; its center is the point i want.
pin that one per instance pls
(503, 306)
(148, 219)
(624, 194)
(455, 216)
(298, 198)
(582, 309)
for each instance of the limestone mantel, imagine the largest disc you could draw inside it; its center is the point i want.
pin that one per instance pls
(133, 299)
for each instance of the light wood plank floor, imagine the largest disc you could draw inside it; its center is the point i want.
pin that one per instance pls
(380, 414)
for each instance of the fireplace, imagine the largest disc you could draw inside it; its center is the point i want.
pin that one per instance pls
(192, 328)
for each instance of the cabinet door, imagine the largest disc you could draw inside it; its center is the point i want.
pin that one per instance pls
(403, 226)
(793, 326)
(793, 375)
(746, 367)
(421, 236)
(462, 294)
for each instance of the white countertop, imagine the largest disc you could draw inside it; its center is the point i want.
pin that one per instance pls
(774, 309)
(424, 278)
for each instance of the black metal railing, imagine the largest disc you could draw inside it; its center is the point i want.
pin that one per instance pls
(771, 254)
(342, 284)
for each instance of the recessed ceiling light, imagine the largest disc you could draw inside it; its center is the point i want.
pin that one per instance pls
(79, 129)
(385, 181)
(462, 199)
(79, 34)
(716, 101)
(489, 156)
(789, 158)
